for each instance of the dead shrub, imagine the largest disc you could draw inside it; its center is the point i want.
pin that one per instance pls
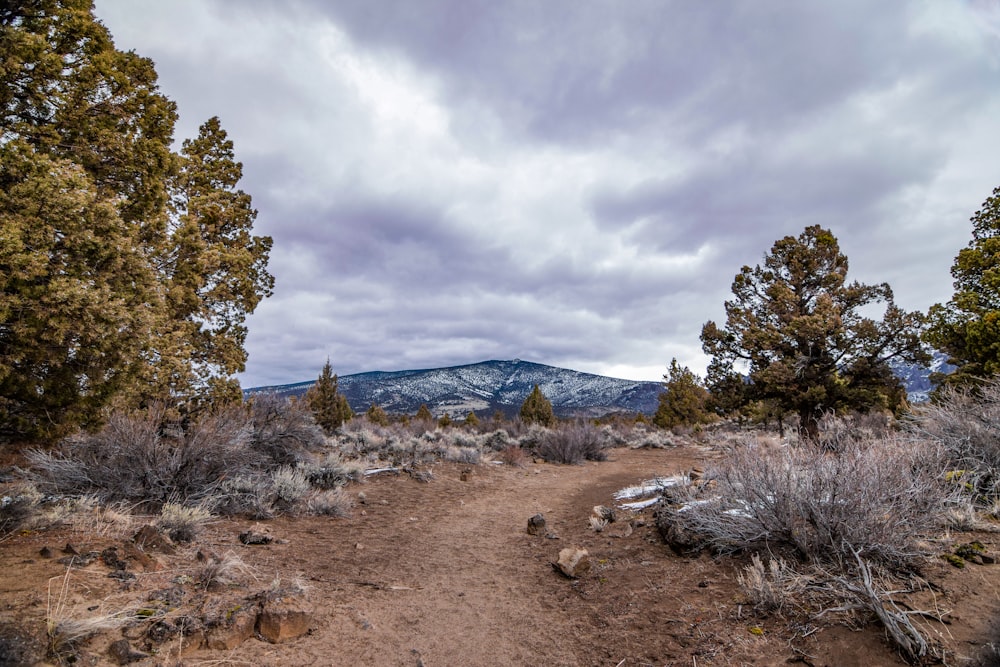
(967, 424)
(283, 431)
(573, 444)
(513, 455)
(876, 500)
(138, 458)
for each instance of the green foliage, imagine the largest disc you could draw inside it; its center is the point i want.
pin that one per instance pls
(207, 301)
(967, 328)
(537, 409)
(471, 420)
(376, 415)
(803, 335)
(328, 405)
(444, 421)
(683, 401)
(424, 414)
(126, 270)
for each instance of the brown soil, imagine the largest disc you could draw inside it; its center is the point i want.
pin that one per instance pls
(444, 573)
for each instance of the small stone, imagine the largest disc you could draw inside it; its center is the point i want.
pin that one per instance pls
(123, 653)
(70, 549)
(536, 525)
(283, 619)
(574, 562)
(45, 552)
(150, 538)
(249, 537)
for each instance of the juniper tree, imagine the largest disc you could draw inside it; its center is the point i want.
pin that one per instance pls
(967, 328)
(376, 415)
(424, 414)
(126, 270)
(537, 409)
(683, 400)
(210, 235)
(802, 335)
(329, 407)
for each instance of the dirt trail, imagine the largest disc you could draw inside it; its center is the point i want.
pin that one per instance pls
(444, 573)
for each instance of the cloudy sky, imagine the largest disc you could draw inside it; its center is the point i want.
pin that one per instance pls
(573, 182)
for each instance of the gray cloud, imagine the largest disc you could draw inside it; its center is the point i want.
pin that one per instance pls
(576, 184)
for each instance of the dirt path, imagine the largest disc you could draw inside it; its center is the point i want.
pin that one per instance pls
(444, 573)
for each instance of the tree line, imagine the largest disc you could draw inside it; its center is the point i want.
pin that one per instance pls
(800, 340)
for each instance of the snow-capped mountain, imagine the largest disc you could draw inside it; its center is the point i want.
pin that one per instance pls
(489, 386)
(503, 385)
(917, 379)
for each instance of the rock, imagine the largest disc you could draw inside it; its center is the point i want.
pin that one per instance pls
(606, 513)
(536, 525)
(70, 549)
(147, 562)
(111, 559)
(249, 537)
(228, 622)
(149, 538)
(45, 552)
(284, 617)
(123, 653)
(574, 562)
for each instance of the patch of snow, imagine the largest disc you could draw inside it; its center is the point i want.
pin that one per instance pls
(649, 487)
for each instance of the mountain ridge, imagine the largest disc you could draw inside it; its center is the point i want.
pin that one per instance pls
(488, 386)
(502, 385)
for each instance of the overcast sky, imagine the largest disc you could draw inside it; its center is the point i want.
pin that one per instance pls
(573, 182)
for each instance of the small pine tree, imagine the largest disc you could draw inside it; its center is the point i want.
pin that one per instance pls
(683, 402)
(445, 421)
(537, 409)
(376, 415)
(424, 414)
(471, 420)
(329, 407)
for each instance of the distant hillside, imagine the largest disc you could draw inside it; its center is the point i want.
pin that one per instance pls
(489, 386)
(503, 385)
(917, 379)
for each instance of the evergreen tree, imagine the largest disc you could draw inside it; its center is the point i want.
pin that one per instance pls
(683, 401)
(444, 421)
(328, 406)
(424, 414)
(537, 409)
(74, 289)
(376, 415)
(126, 270)
(210, 232)
(802, 334)
(471, 420)
(967, 328)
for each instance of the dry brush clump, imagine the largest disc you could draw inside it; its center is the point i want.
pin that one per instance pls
(966, 423)
(574, 443)
(877, 498)
(841, 529)
(234, 461)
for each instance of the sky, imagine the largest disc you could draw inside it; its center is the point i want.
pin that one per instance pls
(569, 182)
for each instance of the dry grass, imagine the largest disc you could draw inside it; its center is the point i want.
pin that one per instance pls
(331, 502)
(878, 498)
(65, 630)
